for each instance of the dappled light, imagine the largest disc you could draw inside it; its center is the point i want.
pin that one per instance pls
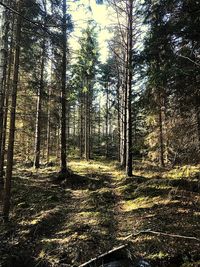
(99, 133)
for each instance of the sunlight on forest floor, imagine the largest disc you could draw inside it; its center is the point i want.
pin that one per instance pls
(61, 223)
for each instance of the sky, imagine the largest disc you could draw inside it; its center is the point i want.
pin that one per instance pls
(81, 12)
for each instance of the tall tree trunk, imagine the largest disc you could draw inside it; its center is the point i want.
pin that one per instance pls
(7, 194)
(124, 130)
(58, 141)
(99, 128)
(81, 126)
(38, 113)
(121, 125)
(3, 52)
(48, 124)
(161, 141)
(107, 118)
(129, 93)
(87, 130)
(8, 86)
(74, 125)
(39, 101)
(89, 122)
(63, 91)
(118, 123)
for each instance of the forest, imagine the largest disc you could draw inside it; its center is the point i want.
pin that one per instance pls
(99, 133)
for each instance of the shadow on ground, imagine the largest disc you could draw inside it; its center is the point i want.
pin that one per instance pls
(94, 210)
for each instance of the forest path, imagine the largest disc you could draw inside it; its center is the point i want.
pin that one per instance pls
(96, 209)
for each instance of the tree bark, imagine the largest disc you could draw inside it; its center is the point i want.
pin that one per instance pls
(3, 52)
(129, 93)
(99, 128)
(39, 101)
(38, 113)
(107, 119)
(124, 122)
(161, 141)
(63, 91)
(87, 124)
(81, 126)
(7, 194)
(49, 125)
(7, 95)
(118, 118)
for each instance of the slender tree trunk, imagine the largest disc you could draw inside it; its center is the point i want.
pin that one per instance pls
(161, 141)
(107, 119)
(63, 92)
(89, 122)
(74, 124)
(3, 53)
(124, 145)
(87, 125)
(49, 125)
(165, 119)
(58, 141)
(38, 114)
(7, 194)
(8, 85)
(81, 126)
(99, 128)
(129, 168)
(7, 94)
(118, 120)
(121, 124)
(39, 101)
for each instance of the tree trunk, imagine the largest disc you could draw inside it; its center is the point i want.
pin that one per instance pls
(63, 92)
(87, 125)
(3, 52)
(38, 113)
(118, 120)
(7, 94)
(107, 119)
(7, 194)
(121, 125)
(162, 163)
(8, 85)
(125, 92)
(48, 125)
(58, 141)
(81, 126)
(99, 128)
(74, 125)
(39, 102)
(129, 93)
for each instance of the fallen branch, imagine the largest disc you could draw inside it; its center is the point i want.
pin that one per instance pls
(103, 255)
(148, 231)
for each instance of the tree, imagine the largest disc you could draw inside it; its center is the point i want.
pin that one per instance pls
(63, 91)
(9, 166)
(3, 55)
(40, 94)
(86, 69)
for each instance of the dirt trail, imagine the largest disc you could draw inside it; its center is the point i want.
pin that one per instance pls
(94, 211)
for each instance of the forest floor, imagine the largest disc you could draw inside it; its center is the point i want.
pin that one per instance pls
(53, 224)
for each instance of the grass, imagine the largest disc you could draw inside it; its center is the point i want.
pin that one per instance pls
(71, 223)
